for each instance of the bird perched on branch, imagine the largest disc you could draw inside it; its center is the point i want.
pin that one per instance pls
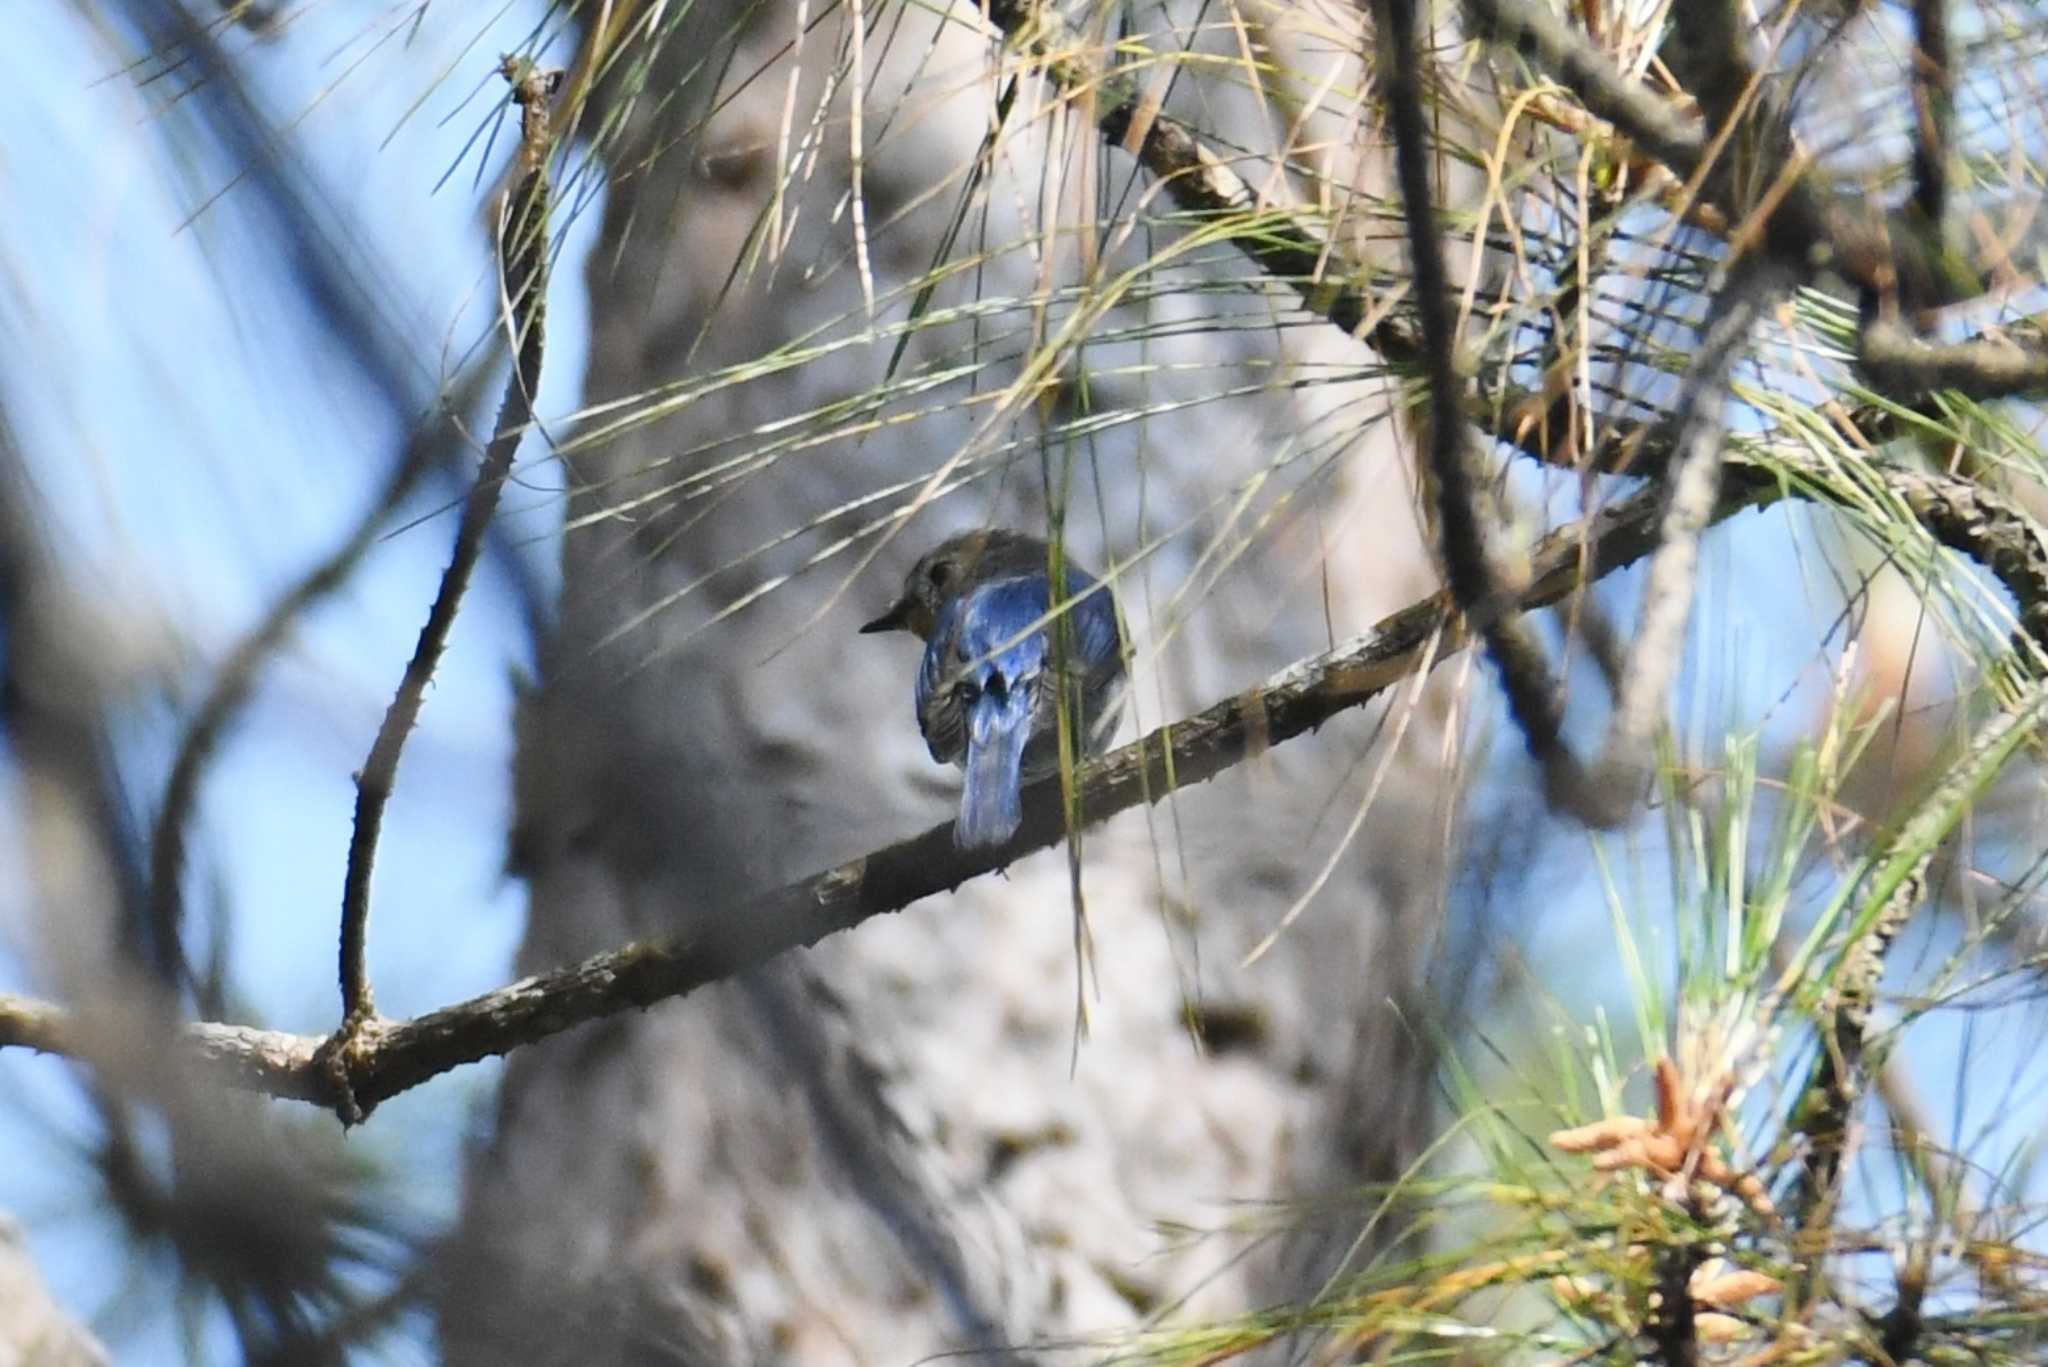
(986, 700)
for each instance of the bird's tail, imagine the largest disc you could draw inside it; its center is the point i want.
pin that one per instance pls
(998, 725)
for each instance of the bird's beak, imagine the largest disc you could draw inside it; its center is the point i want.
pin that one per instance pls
(897, 618)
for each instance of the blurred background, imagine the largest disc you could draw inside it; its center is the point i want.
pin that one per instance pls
(828, 283)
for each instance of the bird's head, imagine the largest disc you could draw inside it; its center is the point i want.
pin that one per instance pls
(953, 567)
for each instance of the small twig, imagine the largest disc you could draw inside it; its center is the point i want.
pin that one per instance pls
(1839, 1079)
(1466, 569)
(522, 256)
(1199, 180)
(1692, 489)
(1534, 696)
(1590, 74)
(1934, 108)
(402, 1055)
(1805, 225)
(1898, 874)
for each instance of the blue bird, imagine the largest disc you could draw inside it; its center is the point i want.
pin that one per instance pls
(985, 693)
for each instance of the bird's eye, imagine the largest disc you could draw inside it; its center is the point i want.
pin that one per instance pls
(940, 574)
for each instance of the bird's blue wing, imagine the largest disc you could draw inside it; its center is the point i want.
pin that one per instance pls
(1096, 670)
(974, 642)
(1098, 640)
(985, 696)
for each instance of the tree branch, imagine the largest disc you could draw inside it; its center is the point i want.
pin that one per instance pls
(402, 1055)
(1622, 771)
(1533, 693)
(1934, 109)
(405, 1054)
(1908, 369)
(1590, 75)
(1956, 512)
(1762, 184)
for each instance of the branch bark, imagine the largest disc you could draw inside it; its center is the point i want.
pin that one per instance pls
(402, 1055)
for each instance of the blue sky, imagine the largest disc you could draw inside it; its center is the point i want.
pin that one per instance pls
(198, 443)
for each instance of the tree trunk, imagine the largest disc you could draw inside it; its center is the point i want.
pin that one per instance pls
(891, 1146)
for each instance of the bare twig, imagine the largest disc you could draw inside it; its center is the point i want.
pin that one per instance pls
(1692, 489)
(1540, 36)
(1934, 109)
(1534, 698)
(522, 254)
(1895, 879)
(1200, 181)
(401, 1055)
(1798, 220)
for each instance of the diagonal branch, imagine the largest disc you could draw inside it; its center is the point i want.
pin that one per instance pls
(1540, 36)
(1691, 493)
(402, 1055)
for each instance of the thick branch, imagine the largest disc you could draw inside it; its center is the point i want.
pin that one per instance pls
(404, 1054)
(1907, 368)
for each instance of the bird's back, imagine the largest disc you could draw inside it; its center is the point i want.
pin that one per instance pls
(993, 636)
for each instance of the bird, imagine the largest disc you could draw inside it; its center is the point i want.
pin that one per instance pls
(985, 695)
